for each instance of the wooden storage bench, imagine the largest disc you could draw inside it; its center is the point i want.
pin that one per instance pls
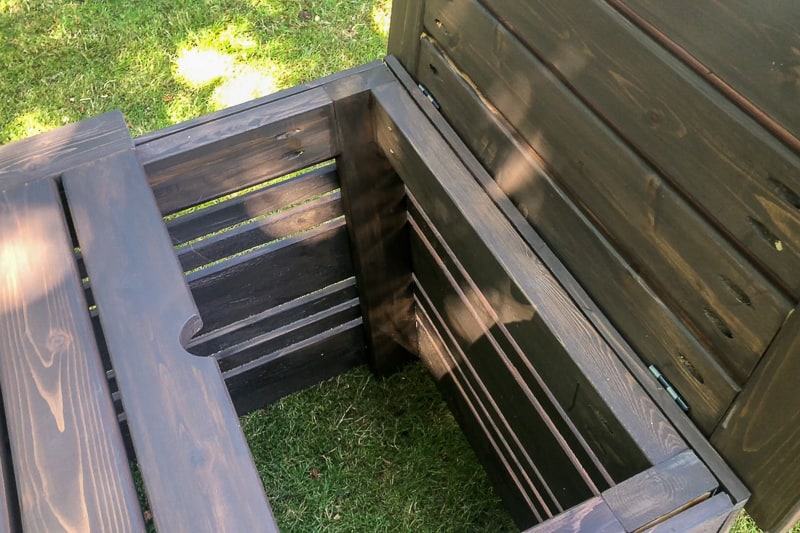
(553, 204)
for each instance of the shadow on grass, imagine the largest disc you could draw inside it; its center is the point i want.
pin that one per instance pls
(65, 61)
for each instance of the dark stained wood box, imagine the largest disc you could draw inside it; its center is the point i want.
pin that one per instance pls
(550, 203)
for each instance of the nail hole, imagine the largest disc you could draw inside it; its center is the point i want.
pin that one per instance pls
(766, 234)
(391, 151)
(720, 324)
(438, 23)
(294, 154)
(787, 194)
(434, 70)
(690, 368)
(286, 134)
(737, 291)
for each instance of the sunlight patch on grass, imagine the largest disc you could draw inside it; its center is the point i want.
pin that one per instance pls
(33, 122)
(243, 84)
(198, 67)
(381, 14)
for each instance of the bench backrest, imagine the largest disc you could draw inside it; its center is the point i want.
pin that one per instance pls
(660, 162)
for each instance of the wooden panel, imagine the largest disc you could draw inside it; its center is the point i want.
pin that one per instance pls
(736, 173)
(275, 375)
(509, 369)
(753, 49)
(71, 469)
(760, 435)
(9, 506)
(260, 232)
(490, 446)
(447, 192)
(592, 515)
(50, 153)
(405, 29)
(666, 488)
(667, 242)
(195, 462)
(696, 440)
(705, 517)
(374, 203)
(653, 330)
(233, 152)
(272, 275)
(276, 196)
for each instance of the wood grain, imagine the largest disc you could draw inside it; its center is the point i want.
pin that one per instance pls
(9, 508)
(587, 255)
(760, 435)
(374, 205)
(705, 517)
(71, 468)
(591, 515)
(665, 488)
(404, 31)
(446, 191)
(195, 462)
(48, 154)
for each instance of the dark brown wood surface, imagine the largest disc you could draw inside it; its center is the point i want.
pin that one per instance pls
(405, 29)
(666, 488)
(591, 515)
(705, 517)
(669, 244)
(754, 49)
(226, 155)
(374, 204)
(48, 154)
(71, 468)
(195, 462)
(445, 190)
(760, 436)
(654, 329)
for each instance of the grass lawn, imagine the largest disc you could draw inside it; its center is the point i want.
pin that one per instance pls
(353, 454)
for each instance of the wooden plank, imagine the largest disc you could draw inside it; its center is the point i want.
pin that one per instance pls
(753, 49)
(273, 318)
(446, 192)
(251, 283)
(374, 204)
(9, 508)
(654, 329)
(707, 516)
(509, 372)
(275, 375)
(591, 515)
(666, 488)
(688, 430)
(226, 155)
(50, 153)
(284, 193)
(702, 143)
(71, 469)
(491, 448)
(692, 265)
(260, 231)
(760, 435)
(195, 462)
(404, 31)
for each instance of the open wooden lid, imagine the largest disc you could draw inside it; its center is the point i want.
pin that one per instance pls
(654, 145)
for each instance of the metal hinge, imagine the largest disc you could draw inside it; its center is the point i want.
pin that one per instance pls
(664, 382)
(429, 96)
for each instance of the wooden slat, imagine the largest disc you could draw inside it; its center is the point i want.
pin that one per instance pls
(251, 283)
(50, 153)
(404, 31)
(9, 506)
(275, 375)
(226, 155)
(374, 205)
(510, 374)
(753, 49)
(705, 517)
(260, 232)
(279, 195)
(700, 141)
(491, 447)
(688, 430)
(669, 244)
(195, 462)
(447, 192)
(654, 331)
(760, 435)
(592, 515)
(71, 469)
(668, 487)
